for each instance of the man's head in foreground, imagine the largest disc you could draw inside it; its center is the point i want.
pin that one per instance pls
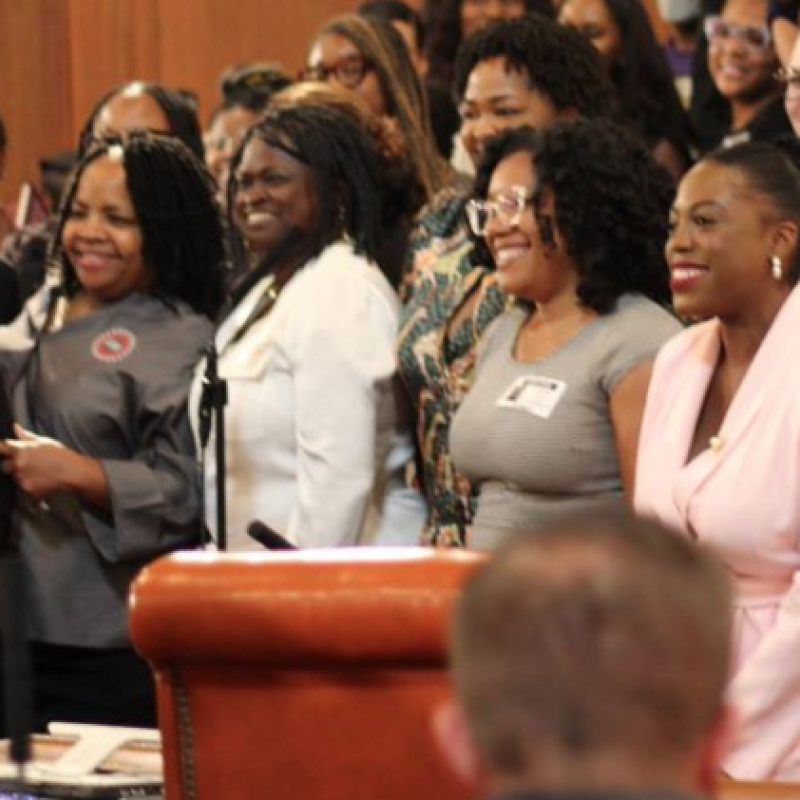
(591, 657)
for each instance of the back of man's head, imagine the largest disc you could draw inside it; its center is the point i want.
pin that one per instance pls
(594, 656)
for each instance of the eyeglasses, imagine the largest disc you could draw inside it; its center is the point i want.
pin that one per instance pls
(789, 81)
(506, 208)
(348, 73)
(755, 37)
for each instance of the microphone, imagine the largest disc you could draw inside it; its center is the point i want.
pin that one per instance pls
(264, 535)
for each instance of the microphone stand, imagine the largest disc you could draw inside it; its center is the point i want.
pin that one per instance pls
(214, 400)
(17, 688)
(17, 685)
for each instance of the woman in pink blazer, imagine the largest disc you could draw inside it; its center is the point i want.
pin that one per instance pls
(719, 453)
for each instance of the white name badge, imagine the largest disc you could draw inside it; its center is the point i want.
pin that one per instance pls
(534, 394)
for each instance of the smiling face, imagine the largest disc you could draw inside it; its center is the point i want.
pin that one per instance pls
(337, 60)
(527, 266)
(741, 71)
(595, 21)
(497, 98)
(722, 235)
(102, 238)
(275, 197)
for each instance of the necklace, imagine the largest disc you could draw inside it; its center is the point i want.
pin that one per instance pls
(716, 443)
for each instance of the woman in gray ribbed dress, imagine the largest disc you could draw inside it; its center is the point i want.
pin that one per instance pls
(575, 218)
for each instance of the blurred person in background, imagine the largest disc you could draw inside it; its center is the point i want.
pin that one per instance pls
(9, 292)
(246, 92)
(650, 105)
(685, 22)
(368, 57)
(408, 23)
(448, 23)
(742, 61)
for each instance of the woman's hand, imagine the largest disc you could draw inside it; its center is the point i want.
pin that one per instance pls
(41, 467)
(37, 464)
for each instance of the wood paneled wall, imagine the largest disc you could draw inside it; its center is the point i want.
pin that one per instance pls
(58, 56)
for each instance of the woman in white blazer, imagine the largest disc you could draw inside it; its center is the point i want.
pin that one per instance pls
(315, 445)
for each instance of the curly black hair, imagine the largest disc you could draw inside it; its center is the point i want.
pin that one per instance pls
(173, 197)
(559, 63)
(612, 204)
(346, 171)
(442, 20)
(179, 108)
(772, 169)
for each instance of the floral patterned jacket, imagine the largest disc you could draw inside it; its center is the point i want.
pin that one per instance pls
(436, 362)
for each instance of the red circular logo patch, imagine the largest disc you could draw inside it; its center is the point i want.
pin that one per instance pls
(113, 345)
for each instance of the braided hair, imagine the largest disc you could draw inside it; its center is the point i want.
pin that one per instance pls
(173, 197)
(345, 167)
(401, 184)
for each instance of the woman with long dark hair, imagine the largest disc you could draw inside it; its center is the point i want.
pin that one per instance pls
(649, 102)
(315, 448)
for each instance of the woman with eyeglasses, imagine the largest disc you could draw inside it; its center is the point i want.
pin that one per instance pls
(719, 454)
(368, 57)
(650, 105)
(530, 71)
(574, 218)
(742, 62)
